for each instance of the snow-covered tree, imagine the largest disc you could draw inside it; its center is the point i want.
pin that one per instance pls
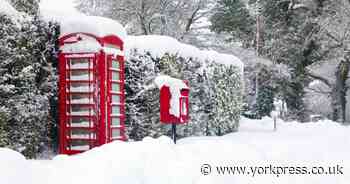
(140, 70)
(27, 6)
(233, 17)
(266, 81)
(227, 106)
(335, 38)
(27, 79)
(4, 136)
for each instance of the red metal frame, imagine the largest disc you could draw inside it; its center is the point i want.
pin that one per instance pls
(100, 98)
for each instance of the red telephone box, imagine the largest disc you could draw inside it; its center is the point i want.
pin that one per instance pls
(167, 101)
(91, 91)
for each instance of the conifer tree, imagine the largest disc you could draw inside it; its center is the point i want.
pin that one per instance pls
(233, 17)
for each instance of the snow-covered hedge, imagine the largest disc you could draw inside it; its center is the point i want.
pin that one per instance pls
(215, 82)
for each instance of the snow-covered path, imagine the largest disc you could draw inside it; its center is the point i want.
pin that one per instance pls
(158, 161)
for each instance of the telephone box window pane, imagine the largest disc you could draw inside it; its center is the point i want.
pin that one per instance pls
(115, 133)
(80, 87)
(81, 110)
(115, 109)
(81, 99)
(81, 122)
(115, 75)
(80, 145)
(80, 63)
(81, 75)
(115, 87)
(115, 98)
(115, 64)
(115, 121)
(82, 134)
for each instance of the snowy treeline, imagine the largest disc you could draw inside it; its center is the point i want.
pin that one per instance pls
(309, 37)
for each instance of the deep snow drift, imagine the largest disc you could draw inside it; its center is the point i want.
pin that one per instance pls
(158, 161)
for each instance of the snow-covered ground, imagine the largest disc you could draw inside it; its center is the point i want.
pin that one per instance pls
(159, 161)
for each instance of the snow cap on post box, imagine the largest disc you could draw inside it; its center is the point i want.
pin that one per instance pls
(170, 89)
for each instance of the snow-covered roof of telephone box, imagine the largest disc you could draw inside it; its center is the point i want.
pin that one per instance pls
(75, 22)
(160, 45)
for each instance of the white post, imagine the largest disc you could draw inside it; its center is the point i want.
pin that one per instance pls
(274, 115)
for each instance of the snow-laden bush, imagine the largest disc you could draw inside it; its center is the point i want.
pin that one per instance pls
(4, 138)
(227, 89)
(215, 87)
(27, 81)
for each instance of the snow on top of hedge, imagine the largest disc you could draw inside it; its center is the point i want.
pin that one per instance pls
(7, 9)
(160, 45)
(74, 22)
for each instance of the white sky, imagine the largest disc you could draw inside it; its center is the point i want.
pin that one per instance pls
(65, 5)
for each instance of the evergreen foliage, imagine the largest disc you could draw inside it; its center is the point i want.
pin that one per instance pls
(264, 101)
(227, 91)
(233, 17)
(4, 138)
(27, 80)
(30, 7)
(289, 32)
(268, 80)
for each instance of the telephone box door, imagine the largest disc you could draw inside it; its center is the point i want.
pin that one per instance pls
(79, 95)
(116, 98)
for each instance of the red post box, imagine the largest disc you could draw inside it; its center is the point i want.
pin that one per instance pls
(174, 101)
